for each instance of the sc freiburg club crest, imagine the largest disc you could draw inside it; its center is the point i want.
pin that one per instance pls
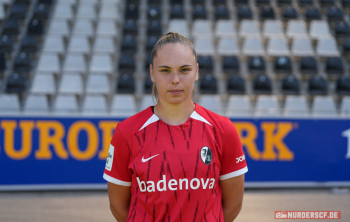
(206, 155)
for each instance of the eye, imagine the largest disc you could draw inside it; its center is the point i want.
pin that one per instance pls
(165, 70)
(185, 70)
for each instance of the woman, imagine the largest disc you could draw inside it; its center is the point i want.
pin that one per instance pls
(175, 161)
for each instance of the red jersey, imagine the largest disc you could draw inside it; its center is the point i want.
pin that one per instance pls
(175, 170)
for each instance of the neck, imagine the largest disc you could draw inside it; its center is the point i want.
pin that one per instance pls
(174, 114)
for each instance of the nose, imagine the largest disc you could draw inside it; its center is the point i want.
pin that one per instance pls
(175, 78)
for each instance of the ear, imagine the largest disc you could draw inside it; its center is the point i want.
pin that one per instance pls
(196, 79)
(151, 72)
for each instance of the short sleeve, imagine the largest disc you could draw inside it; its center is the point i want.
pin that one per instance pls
(233, 161)
(116, 170)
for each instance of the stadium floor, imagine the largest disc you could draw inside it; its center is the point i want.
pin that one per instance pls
(92, 206)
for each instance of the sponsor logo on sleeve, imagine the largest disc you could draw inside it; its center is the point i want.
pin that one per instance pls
(109, 160)
(240, 159)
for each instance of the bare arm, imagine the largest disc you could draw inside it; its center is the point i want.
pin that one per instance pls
(232, 197)
(119, 199)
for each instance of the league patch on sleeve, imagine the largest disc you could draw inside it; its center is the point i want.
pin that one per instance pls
(109, 160)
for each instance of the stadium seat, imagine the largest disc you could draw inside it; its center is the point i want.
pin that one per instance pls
(277, 46)
(267, 106)
(296, 106)
(177, 12)
(132, 12)
(151, 41)
(342, 30)
(308, 65)
(2, 64)
(128, 44)
(63, 11)
(127, 63)
(36, 104)
(58, 27)
(327, 47)
(147, 101)
(319, 29)
(201, 28)
(6, 44)
(230, 64)
(244, 12)
(256, 64)
(318, 85)
(172, 2)
(249, 28)
(302, 47)
(148, 85)
(78, 44)
(41, 11)
(109, 11)
(36, 27)
(22, 63)
(18, 10)
(344, 107)
(208, 85)
(205, 63)
(98, 84)
(123, 105)
(154, 28)
(126, 84)
(74, 63)
(346, 47)
(199, 12)
(212, 103)
(9, 103)
(83, 27)
(227, 47)
(197, 2)
(104, 44)
(154, 12)
(253, 47)
(289, 13)
(48, 63)
(267, 12)
(323, 106)
(334, 66)
(283, 64)
(29, 44)
(312, 14)
(130, 27)
(296, 29)
(262, 85)
(327, 3)
(10, 27)
(71, 84)
(106, 28)
(204, 46)
(43, 84)
(16, 83)
(67, 104)
(290, 85)
(239, 106)
(53, 44)
(260, 3)
(179, 25)
(235, 85)
(221, 12)
(219, 2)
(343, 85)
(335, 14)
(304, 3)
(225, 29)
(272, 28)
(101, 63)
(94, 104)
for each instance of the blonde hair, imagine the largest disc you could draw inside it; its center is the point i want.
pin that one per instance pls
(170, 37)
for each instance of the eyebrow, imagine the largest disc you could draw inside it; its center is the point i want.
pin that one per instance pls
(169, 67)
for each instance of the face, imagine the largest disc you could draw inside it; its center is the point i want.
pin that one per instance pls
(174, 71)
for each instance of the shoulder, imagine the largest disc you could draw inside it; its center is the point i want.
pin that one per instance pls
(131, 125)
(221, 123)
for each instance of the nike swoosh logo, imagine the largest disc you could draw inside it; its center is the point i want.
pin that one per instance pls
(145, 160)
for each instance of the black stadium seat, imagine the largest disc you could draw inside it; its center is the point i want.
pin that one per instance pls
(327, 3)
(18, 11)
(176, 2)
(244, 12)
(318, 85)
(126, 84)
(16, 83)
(127, 63)
(41, 11)
(219, 2)
(262, 85)
(342, 30)
(36, 27)
(23, 63)
(151, 41)
(130, 27)
(308, 65)
(208, 85)
(346, 3)
(154, 12)
(199, 12)
(267, 12)
(262, 2)
(346, 47)
(241, 2)
(2, 62)
(343, 85)
(334, 66)
(154, 28)
(10, 27)
(304, 3)
(283, 64)
(290, 85)
(177, 12)
(129, 44)
(132, 12)
(312, 14)
(335, 14)
(235, 85)
(230, 64)
(205, 63)
(148, 85)
(6, 44)
(284, 2)
(29, 44)
(197, 2)
(221, 12)
(289, 13)
(256, 64)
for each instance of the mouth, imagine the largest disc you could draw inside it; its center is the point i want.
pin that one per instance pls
(175, 91)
